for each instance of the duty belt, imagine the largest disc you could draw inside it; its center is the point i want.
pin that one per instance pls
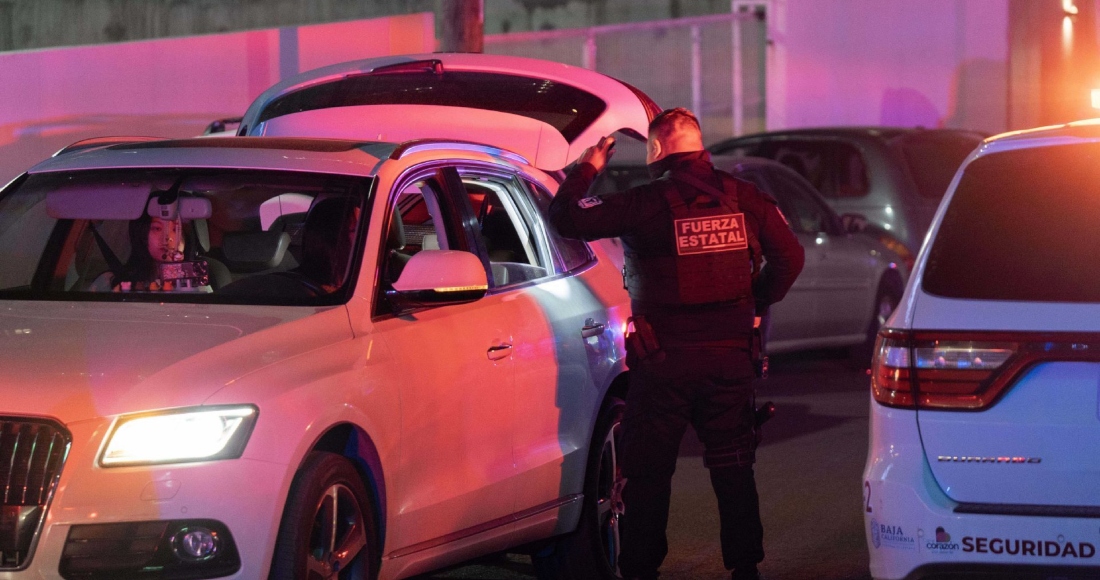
(743, 344)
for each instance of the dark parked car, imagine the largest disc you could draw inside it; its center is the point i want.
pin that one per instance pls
(892, 176)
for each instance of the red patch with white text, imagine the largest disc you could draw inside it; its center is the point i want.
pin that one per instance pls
(704, 235)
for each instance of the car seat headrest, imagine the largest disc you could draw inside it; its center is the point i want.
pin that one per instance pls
(202, 234)
(255, 251)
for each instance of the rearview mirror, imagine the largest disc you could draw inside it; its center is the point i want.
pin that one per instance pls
(186, 208)
(438, 278)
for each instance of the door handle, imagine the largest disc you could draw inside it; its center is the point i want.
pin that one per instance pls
(500, 351)
(592, 328)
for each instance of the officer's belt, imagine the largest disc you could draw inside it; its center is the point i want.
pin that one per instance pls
(745, 343)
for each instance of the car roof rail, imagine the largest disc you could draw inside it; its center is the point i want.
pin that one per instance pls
(94, 142)
(416, 145)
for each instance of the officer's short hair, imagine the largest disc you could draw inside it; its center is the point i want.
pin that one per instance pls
(672, 121)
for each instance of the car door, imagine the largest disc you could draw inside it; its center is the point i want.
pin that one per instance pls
(793, 322)
(841, 267)
(455, 372)
(564, 348)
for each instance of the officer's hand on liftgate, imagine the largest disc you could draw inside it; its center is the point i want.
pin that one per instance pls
(599, 154)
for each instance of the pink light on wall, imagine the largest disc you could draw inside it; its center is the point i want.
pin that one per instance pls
(171, 87)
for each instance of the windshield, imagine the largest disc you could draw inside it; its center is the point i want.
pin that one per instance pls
(1022, 226)
(172, 235)
(933, 157)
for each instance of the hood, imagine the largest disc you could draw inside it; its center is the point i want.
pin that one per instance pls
(75, 361)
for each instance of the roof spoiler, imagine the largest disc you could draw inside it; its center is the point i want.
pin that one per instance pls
(96, 142)
(417, 145)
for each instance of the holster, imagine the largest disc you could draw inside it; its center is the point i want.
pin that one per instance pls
(641, 341)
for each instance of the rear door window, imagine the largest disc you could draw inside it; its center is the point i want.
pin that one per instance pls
(1022, 226)
(511, 232)
(834, 168)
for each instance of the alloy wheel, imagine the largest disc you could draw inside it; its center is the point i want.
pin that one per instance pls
(609, 494)
(338, 536)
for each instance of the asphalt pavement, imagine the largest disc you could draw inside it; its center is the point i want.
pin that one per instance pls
(808, 473)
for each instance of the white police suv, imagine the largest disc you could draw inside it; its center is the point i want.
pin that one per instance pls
(362, 358)
(984, 458)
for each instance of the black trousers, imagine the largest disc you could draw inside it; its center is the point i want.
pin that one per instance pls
(711, 389)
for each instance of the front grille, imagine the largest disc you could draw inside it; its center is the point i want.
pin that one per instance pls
(32, 453)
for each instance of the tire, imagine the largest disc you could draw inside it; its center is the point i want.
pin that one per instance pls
(886, 301)
(327, 494)
(591, 552)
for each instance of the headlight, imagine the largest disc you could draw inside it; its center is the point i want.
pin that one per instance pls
(195, 434)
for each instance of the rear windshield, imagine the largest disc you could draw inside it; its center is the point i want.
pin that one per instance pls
(172, 235)
(1023, 225)
(933, 157)
(567, 109)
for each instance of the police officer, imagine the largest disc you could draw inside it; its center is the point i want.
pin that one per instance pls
(693, 241)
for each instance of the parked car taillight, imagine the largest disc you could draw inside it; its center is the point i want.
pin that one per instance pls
(955, 372)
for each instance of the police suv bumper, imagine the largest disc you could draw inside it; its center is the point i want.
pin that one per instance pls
(913, 531)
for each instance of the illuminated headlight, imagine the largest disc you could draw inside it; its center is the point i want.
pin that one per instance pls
(195, 434)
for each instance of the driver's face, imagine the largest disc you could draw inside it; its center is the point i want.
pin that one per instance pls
(165, 239)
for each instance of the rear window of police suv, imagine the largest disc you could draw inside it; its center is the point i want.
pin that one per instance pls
(1023, 225)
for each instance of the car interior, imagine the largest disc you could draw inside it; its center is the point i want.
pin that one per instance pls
(256, 240)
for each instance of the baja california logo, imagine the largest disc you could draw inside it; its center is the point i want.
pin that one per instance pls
(891, 537)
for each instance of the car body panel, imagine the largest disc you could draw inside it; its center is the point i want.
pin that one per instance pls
(909, 522)
(563, 374)
(78, 361)
(456, 419)
(624, 109)
(1050, 405)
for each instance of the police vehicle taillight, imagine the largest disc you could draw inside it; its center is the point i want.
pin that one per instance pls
(953, 372)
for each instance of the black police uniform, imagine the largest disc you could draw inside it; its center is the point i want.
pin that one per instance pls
(688, 263)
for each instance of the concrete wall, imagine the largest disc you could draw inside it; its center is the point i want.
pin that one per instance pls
(171, 88)
(27, 24)
(888, 62)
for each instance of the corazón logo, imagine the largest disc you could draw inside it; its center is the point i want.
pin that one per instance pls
(942, 543)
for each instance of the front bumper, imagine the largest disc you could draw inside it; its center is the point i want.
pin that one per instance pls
(245, 495)
(913, 531)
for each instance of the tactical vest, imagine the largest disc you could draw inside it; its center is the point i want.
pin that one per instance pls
(712, 250)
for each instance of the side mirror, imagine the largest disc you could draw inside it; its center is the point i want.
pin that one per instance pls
(853, 223)
(438, 278)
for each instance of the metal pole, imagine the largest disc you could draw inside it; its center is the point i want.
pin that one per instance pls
(463, 26)
(588, 59)
(738, 88)
(696, 71)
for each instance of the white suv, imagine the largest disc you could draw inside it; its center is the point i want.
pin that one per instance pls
(369, 360)
(984, 459)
